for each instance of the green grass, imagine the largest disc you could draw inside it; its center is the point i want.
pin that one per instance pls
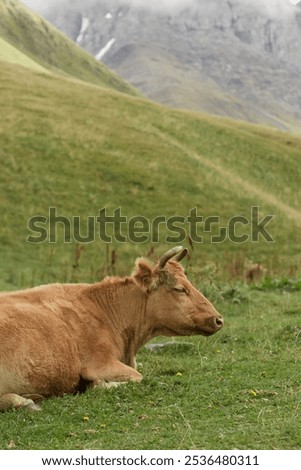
(80, 147)
(239, 389)
(8, 53)
(43, 44)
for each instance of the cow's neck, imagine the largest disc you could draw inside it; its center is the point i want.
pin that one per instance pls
(125, 307)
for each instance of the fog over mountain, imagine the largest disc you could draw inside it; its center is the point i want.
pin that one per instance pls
(231, 57)
(169, 6)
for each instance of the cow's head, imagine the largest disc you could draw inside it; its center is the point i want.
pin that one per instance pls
(176, 306)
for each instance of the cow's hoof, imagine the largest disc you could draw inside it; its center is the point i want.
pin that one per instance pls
(32, 406)
(104, 384)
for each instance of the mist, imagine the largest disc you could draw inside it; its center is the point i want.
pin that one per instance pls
(269, 7)
(272, 6)
(165, 5)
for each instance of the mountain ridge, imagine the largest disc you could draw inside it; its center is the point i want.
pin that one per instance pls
(250, 54)
(49, 48)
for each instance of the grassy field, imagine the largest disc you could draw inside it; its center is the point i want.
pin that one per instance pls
(239, 389)
(10, 54)
(79, 148)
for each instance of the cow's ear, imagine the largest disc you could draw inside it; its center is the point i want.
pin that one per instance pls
(143, 274)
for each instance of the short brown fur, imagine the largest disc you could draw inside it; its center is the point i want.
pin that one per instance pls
(57, 336)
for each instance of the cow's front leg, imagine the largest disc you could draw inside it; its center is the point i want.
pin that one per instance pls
(12, 400)
(111, 375)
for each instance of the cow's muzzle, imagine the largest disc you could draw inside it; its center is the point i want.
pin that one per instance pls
(212, 325)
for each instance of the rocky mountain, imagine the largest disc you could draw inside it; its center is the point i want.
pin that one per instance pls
(227, 57)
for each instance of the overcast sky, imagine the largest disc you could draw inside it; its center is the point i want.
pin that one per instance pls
(273, 6)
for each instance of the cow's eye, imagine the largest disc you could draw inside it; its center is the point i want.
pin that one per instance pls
(180, 289)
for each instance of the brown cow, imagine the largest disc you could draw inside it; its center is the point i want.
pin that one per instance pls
(54, 337)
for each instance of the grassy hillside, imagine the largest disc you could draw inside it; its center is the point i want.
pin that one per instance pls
(43, 44)
(9, 53)
(79, 148)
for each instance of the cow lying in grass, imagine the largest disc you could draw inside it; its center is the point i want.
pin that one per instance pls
(53, 337)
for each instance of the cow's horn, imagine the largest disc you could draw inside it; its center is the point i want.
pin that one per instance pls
(181, 255)
(170, 254)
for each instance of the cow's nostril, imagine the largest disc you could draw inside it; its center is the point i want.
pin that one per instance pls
(219, 321)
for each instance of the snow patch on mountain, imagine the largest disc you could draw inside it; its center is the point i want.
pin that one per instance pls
(83, 29)
(105, 49)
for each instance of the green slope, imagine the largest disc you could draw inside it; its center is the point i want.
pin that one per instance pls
(9, 53)
(80, 148)
(43, 44)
